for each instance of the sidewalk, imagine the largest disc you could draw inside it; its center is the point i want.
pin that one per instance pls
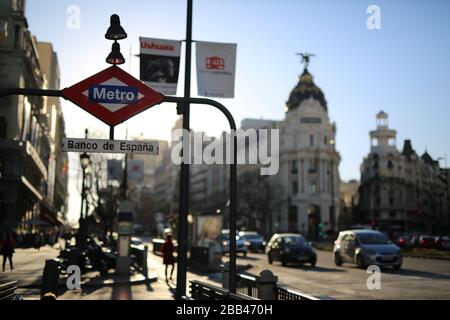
(29, 265)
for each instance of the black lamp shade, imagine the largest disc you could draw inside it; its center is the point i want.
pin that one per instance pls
(115, 31)
(115, 57)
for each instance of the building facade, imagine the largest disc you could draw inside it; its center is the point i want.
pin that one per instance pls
(28, 156)
(401, 191)
(308, 163)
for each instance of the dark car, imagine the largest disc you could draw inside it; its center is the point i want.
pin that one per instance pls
(442, 243)
(253, 241)
(423, 241)
(290, 247)
(403, 240)
(224, 240)
(365, 248)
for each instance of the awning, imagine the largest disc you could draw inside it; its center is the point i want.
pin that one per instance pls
(35, 222)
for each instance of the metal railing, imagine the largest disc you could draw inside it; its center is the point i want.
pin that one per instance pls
(8, 291)
(205, 291)
(247, 288)
(246, 284)
(287, 294)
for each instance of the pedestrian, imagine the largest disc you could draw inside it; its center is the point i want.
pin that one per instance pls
(8, 244)
(38, 240)
(167, 250)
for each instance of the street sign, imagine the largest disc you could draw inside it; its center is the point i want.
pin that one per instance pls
(112, 95)
(110, 146)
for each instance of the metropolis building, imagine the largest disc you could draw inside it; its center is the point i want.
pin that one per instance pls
(308, 162)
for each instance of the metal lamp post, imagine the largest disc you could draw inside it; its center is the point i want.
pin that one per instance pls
(84, 161)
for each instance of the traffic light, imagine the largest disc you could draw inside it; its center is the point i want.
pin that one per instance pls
(321, 232)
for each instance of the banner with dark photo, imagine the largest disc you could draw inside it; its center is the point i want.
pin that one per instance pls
(160, 64)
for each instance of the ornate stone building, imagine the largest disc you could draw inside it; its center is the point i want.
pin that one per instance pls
(401, 191)
(33, 180)
(308, 162)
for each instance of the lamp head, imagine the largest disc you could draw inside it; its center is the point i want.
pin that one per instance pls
(85, 159)
(115, 30)
(115, 57)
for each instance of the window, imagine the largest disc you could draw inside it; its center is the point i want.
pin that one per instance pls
(16, 36)
(392, 214)
(325, 140)
(377, 201)
(390, 165)
(3, 127)
(294, 167)
(311, 140)
(374, 142)
(294, 187)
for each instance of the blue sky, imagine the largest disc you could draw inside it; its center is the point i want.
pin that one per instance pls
(403, 69)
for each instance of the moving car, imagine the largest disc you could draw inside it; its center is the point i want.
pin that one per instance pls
(224, 241)
(253, 241)
(365, 248)
(290, 247)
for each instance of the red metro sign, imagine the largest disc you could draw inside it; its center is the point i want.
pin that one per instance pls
(113, 96)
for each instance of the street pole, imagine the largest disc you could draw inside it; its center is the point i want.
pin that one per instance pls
(184, 171)
(81, 224)
(81, 227)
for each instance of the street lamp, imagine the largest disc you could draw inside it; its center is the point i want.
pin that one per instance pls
(115, 56)
(84, 160)
(115, 30)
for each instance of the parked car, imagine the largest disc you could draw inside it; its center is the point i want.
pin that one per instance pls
(136, 241)
(422, 241)
(224, 241)
(366, 247)
(290, 247)
(442, 243)
(403, 240)
(253, 241)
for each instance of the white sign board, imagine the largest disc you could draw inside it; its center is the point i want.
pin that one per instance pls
(216, 69)
(110, 146)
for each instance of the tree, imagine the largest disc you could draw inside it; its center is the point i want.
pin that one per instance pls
(259, 199)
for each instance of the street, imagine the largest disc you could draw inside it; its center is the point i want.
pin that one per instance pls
(418, 278)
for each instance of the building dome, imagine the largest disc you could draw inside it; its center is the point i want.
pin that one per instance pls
(305, 89)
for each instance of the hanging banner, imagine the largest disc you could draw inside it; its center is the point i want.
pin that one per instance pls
(160, 64)
(135, 170)
(216, 69)
(115, 171)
